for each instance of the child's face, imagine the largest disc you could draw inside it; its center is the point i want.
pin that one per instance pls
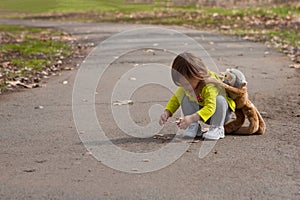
(189, 84)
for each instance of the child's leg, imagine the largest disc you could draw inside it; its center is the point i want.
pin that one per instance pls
(222, 113)
(190, 107)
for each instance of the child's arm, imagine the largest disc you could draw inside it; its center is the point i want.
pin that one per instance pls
(209, 95)
(175, 101)
(164, 117)
(172, 105)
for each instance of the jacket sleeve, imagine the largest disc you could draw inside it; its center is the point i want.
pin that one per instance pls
(209, 94)
(175, 100)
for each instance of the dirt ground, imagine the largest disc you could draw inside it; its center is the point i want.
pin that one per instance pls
(42, 156)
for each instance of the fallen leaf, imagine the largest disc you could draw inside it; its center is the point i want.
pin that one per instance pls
(19, 40)
(13, 83)
(146, 160)
(67, 68)
(295, 65)
(41, 161)
(19, 83)
(45, 73)
(248, 37)
(5, 64)
(215, 14)
(263, 114)
(68, 38)
(194, 142)
(39, 107)
(124, 102)
(150, 51)
(223, 27)
(29, 170)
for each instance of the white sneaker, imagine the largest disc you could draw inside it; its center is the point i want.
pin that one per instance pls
(192, 131)
(215, 133)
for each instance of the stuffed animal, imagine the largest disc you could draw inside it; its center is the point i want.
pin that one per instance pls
(235, 83)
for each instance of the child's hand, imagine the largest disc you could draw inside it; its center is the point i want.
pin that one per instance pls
(185, 122)
(164, 117)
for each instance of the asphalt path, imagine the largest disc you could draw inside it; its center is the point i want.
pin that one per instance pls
(46, 154)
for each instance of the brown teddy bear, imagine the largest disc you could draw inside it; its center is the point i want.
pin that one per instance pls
(235, 83)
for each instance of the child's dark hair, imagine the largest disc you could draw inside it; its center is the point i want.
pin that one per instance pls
(189, 66)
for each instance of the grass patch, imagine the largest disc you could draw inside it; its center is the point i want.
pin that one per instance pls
(121, 6)
(34, 64)
(284, 11)
(27, 54)
(32, 47)
(290, 36)
(35, 6)
(28, 6)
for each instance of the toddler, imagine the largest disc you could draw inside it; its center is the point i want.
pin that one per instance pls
(199, 100)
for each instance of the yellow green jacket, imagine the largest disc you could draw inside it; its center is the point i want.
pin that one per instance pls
(208, 99)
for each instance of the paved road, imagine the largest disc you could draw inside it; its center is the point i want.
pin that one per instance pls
(42, 156)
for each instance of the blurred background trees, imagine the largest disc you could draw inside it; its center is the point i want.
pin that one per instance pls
(217, 3)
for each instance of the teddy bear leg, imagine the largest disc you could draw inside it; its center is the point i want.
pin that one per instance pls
(262, 125)
(253, 123)
(234, 125)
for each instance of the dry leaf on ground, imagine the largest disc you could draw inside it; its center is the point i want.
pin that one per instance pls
(123, 102)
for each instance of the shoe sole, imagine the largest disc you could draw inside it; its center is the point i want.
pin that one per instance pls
(212, 138)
